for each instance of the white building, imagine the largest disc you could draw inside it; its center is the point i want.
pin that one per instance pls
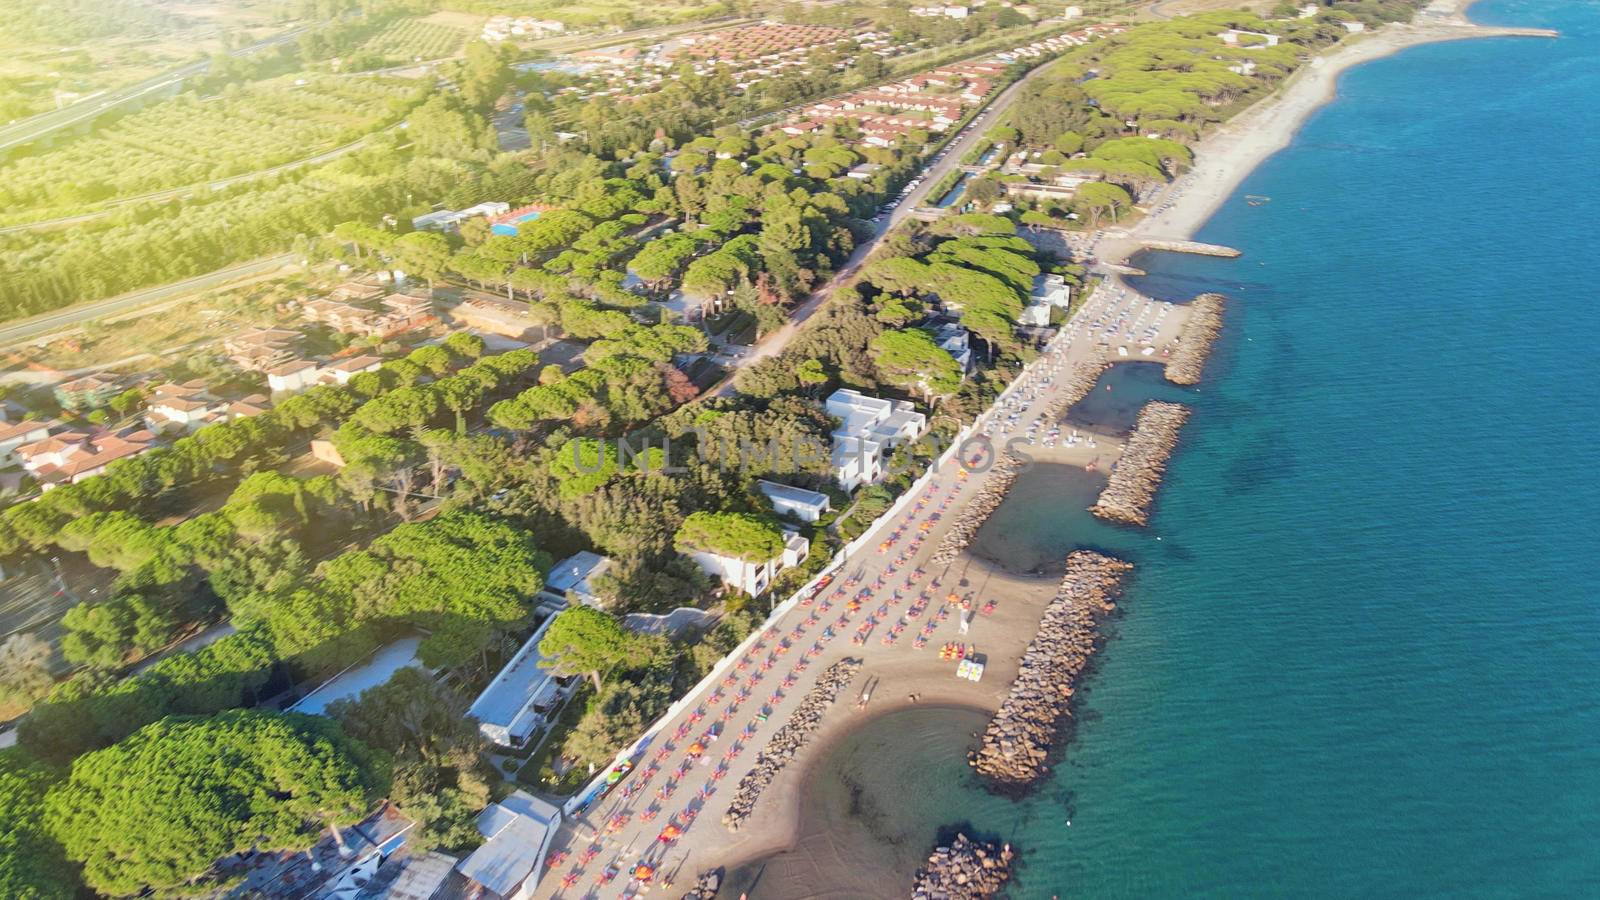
(522, 698)
(1245, 39)
(870, 428)
(290, 377)
(807, 506)
(15, 434)
(573, 577)
(753, 578)
(517, 835)
(182, 407)
(956, 341)
(1052, 289)
(356, 680)
(451, 219)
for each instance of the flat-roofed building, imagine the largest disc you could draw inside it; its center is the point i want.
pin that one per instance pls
(573, 578)
(807, 506)
(517, 835)
(870, 428)
(522, 697)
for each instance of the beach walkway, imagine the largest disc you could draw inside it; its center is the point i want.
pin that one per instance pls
(888, 607)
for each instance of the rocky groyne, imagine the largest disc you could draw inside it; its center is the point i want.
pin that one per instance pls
(1074, 386)
(1200, 330)
(1128, 495)
(1015, 748)
(788, 740)
(973, 515)
(964, 870)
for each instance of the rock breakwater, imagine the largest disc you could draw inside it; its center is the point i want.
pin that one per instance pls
(1200, 330)
(1132, 488)
(1015, 748)
(973, 515)
(1074, 386)
(964, 870)
(788, 740)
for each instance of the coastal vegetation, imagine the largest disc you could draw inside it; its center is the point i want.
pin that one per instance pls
(465, 474)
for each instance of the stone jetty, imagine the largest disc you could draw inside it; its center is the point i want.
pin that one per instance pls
(973, 515)
(964, 870)
(1133, 484)
(1200, 330)
(788, 740)
(1015, 748)
(1074, 386)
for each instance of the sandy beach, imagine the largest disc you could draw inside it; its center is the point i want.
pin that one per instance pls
(1231, 152)
(901, 589)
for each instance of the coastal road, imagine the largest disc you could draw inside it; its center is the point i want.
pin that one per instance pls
(44, 124)
(965, 140)
(57, 320)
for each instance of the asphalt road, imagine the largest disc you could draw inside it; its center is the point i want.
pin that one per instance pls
(45, 323)
(44, 124)
(965, 141)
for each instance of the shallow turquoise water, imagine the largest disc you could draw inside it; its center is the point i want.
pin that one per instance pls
(1365, 658)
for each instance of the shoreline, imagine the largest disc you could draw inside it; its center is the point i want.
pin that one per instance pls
(1226, 157)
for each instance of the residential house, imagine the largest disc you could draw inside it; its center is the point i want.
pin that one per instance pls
(451, 219)
(517, 835)
(870, 428)
(503, 317)
(522, 698)
(88, 392)
(807, 506)
(1246, 39)
(182, 407)
(262, 349)
(955, 340)
(340, 371)
(68, 457)
(17, 434)
(293, 376)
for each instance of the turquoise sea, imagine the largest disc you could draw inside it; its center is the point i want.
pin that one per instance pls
(1364, 658)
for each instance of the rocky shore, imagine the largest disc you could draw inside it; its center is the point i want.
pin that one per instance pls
(788, 740)
(1133, 484)
(1015, 747)
(965, 870)
(1188, 359)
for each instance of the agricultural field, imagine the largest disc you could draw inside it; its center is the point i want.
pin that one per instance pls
(64, 50)
(408, 40)
(596, 13)
(189, 140)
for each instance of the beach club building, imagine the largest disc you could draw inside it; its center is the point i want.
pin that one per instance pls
(753, 577)
(807, 506)
(522, 698)
(869, 430)
(517, 835)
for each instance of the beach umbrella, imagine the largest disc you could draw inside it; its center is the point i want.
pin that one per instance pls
(644, 872)
(670, 833)
(696, 748)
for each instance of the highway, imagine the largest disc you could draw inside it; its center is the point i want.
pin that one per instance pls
(45, 323)
(44, 124)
